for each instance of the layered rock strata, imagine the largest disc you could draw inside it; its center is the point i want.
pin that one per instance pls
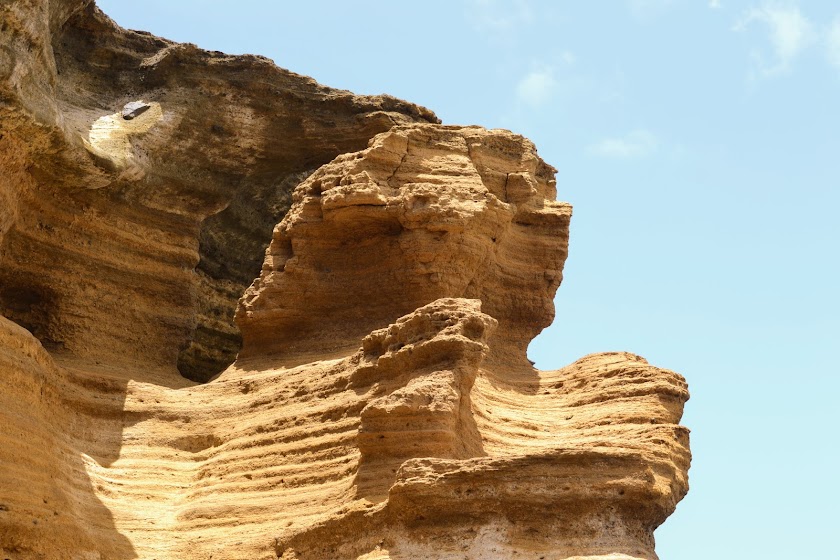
(465, 450)
(423, 213)
(382, 404)
(174, 206)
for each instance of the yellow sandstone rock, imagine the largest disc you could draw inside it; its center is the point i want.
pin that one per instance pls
(381, 404)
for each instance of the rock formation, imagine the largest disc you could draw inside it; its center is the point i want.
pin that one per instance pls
(381, 404)
(176, 204)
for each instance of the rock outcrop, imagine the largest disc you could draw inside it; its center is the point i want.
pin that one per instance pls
(381, 404)
(173, 207)
(425, 212)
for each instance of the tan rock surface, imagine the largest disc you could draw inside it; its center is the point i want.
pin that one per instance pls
(425, 212)
(175, 205)
(382, 405)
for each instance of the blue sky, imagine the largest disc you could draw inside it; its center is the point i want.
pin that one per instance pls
(698, 142)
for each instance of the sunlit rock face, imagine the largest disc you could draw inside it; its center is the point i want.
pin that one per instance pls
(463, 448)
(425, 212)
(382, 404)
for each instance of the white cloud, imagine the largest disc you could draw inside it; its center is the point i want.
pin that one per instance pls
(499, 15)
(537, 86)
(832, 42)
(636, 144)
(714, 4)
(568, 57)
(790, 34)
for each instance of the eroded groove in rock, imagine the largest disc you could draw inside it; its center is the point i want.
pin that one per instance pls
(382, 406)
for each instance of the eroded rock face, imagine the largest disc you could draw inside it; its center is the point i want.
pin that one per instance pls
(382, 405)
(172, 208)
(465, 449)
(426, 212)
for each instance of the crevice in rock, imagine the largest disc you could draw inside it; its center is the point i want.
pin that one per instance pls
(32, 307)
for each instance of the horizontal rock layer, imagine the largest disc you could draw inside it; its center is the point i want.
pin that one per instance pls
(310, 461)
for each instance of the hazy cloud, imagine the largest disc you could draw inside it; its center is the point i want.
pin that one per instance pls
(714, 4)
(568, 57)
(537, 86)
(635, 144)
(790, 33)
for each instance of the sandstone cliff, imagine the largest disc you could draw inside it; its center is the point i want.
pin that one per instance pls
(176, 204)
(381, 404)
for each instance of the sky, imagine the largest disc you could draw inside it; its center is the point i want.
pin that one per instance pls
(698, 142)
